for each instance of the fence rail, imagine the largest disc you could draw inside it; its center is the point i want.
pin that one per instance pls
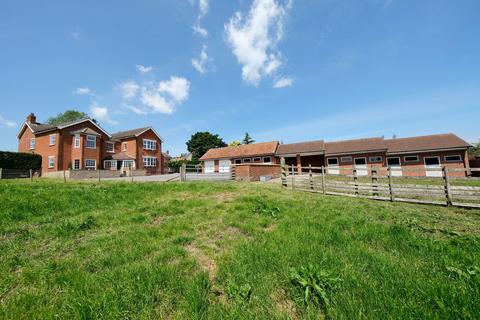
(382, 184)
(17, 174)
(198, 172)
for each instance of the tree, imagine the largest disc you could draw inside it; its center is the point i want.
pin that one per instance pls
(234, 144)
(247, 139)
(67, 116)
(201, 142)
(475, 150)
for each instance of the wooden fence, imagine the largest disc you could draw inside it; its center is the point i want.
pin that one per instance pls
(198, 173)
(17, 174)
(382, 184)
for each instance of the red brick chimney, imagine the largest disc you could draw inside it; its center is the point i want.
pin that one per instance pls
(31, 118)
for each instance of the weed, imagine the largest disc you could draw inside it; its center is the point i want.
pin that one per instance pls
(241, 293)
(264, 208)
(315, 285)
(183, 240)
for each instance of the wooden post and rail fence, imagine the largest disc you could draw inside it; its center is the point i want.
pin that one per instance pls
(381, 183)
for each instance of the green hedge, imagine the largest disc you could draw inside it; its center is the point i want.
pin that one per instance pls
(20, 161)
(175, 165)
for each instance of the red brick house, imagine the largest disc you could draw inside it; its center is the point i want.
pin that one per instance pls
(427, 154)
(83, 144)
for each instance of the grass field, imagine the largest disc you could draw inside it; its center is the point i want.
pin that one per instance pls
(230, 250)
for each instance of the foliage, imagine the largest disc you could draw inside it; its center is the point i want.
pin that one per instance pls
(68, 116)
(234, 144)
(20, 161)
(475, 150)
(201, 142)
(241, 293)
(247, 139)
(315, 285)
(176, 164)
(260, 206)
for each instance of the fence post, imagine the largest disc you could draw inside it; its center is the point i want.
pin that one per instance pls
(390, 184)
(131, 173)
(64, 177)
(31, 175)
(323, 181)
(448, 191)
(310, 176)
(98, 175)
(293, 177)
(283, 172)
(374, 182)
(183, 175)
(1, 173)
(232, 172)
(355, 181)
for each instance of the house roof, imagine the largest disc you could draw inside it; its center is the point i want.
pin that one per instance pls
(431, 142)
(355, 146)
(40, 128)
(122, 156)
(301, 147)
(85, 131)
(134, 133)
(245, 150)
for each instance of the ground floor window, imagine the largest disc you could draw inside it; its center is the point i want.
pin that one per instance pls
(346, 159)
(267, 159)
(128, 164)
(332, 161)
(375, 159)
(238, 161)
(110, 164)
(432, 161)
(51, 162)
(410, 158)
(76, 164)
(90, 164)
(247, 160)
(149, 161)
(256, 159)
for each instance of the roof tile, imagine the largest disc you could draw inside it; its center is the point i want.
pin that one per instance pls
(245, 150)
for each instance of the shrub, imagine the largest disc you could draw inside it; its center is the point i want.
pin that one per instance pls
(176, 164)
(20, 161)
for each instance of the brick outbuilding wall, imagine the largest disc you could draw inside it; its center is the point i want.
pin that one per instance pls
(253, 172)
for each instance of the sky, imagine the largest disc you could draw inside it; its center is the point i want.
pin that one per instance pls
(287, 70)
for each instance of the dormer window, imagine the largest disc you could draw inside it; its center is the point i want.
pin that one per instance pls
(91, 142)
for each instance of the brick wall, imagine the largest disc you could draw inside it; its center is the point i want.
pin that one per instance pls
(150, 153)
(253, 172)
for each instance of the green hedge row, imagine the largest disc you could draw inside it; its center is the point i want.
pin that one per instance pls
(20, 161)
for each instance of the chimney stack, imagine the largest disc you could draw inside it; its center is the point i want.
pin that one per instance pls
(31, 118)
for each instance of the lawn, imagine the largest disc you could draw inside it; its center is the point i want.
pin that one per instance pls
(230, 250)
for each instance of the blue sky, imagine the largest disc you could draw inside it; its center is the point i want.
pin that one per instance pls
(281, 70)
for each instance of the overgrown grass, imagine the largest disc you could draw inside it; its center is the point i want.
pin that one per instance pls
(230, 250)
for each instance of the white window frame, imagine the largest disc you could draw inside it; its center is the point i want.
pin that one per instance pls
(110, 144)
(113, 164)
(149, 162)
(53, 139)
(76, 141)
(257, 159)
(411, 161)
(51, 162)
(399, 162)
(269, 159)
(238, 161)
(32, 143)
(373, 161)
(79, 164)
(333, 165)
(88, 139)
(346, 159)
(149, 144)
(431, 157)
(453, 155)
(94, 167)
(247, 160)
(124, 146)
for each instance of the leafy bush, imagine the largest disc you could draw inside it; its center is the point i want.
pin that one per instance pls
(315, 285)
(176, 164)
(20, 161)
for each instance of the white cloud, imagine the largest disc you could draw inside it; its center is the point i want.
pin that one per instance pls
(203, 6)
(199, 63)
(7, 123)
(75, 35)
(254, 38)
(101, 113)
(166, 96)
(283, 82)
(200, 30)
(82, 91)
(128, 89)
(136, 110)
(144, 69)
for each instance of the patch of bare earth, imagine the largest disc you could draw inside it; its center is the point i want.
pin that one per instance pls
(271, 227)
(285, 305)
(206, 263)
